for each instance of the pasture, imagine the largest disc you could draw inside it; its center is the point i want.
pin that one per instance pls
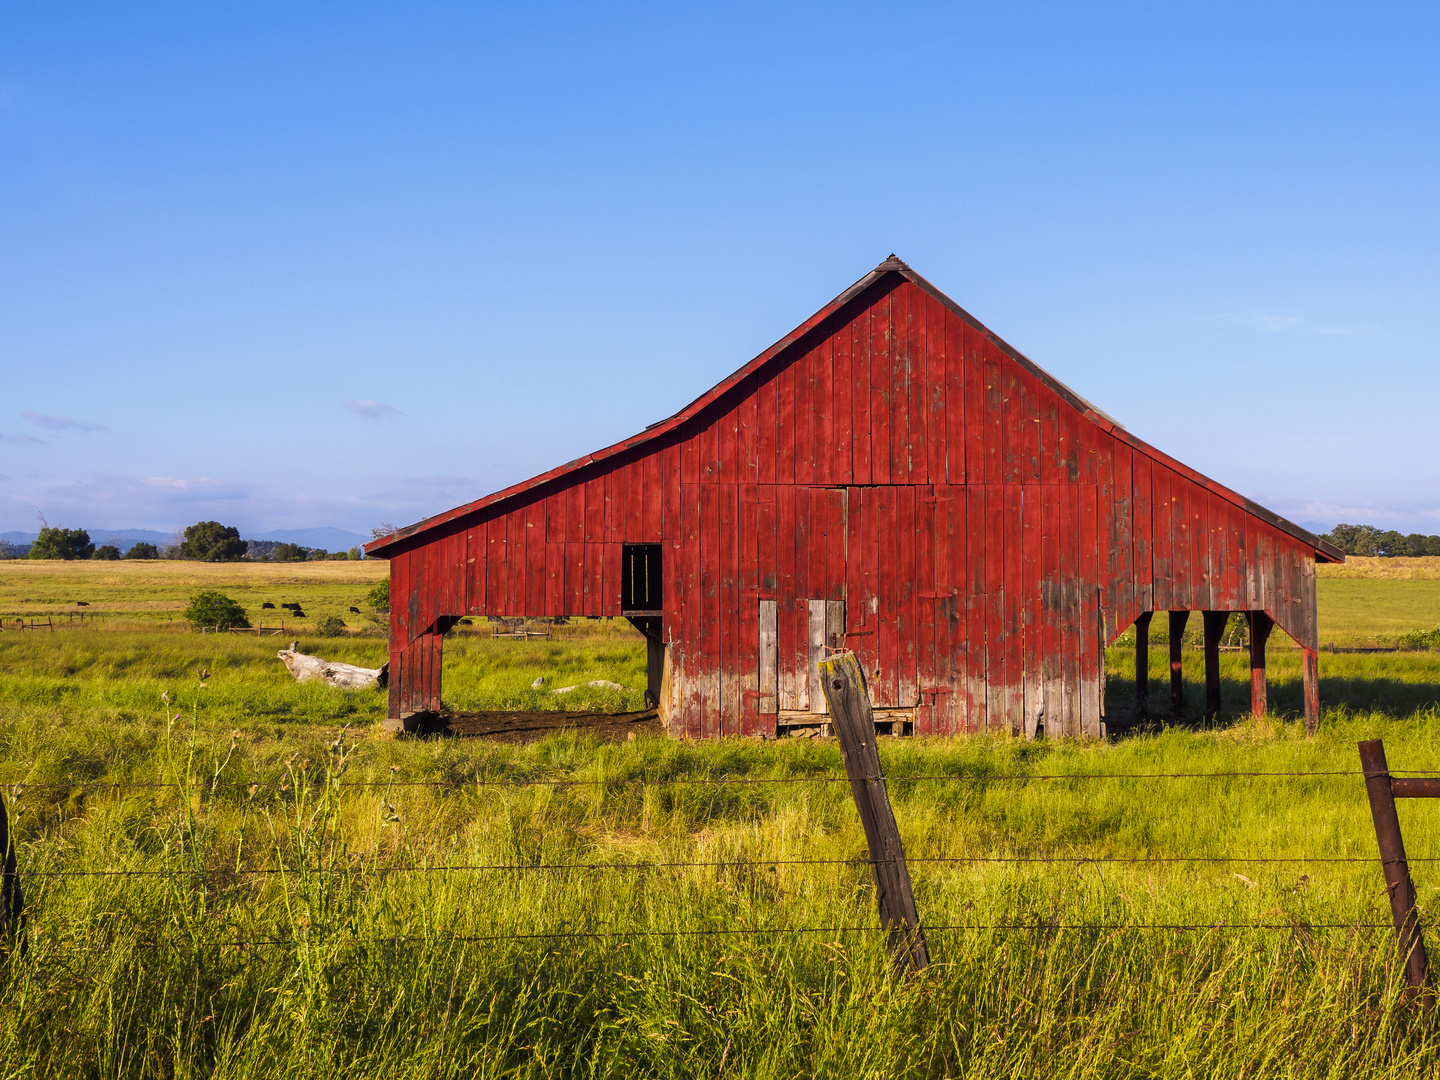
(280, 894)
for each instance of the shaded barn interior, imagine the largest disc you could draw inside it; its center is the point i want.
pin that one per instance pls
(890, 478)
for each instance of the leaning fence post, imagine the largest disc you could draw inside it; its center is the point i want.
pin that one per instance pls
(854, 724)
(12, 900)
(1397, 869)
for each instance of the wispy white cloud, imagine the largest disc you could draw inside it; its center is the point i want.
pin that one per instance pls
(1264, 322)
(373, 410)
(1350, 331)
(19, 438)
(62, 423)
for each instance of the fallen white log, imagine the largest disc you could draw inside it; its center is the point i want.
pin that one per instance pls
(599, 684)
(346, 676)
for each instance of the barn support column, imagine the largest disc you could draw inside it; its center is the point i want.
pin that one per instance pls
(1260, 627)
(1178, 619)
(1214, 629)
(1142, 664)
(415, 677)
(1312, 689)
(651, 627)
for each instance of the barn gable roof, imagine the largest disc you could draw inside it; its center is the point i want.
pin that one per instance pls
(386, 546)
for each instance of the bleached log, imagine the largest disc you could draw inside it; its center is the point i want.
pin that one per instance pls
(599, 684)
(346, 676)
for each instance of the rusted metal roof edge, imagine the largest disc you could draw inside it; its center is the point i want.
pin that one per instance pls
(1324, 550)
(654, 431)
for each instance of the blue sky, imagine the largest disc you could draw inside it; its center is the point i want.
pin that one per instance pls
(300, 265)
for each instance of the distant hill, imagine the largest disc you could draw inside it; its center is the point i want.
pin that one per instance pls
(329, 539)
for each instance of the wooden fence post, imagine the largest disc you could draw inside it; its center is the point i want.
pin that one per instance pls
(854, 723)
(1142, 664)
(12, 899)
(1397, 869)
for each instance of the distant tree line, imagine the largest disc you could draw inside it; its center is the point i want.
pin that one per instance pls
(205, 541)
(1370, 540)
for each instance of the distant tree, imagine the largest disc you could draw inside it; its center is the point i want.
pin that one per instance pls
(212, 542)
(106, 551)
(142, 550)
(356, 554)
(385, 528)
(1432, 545)
(379, 597)
(60, 543)
(212, 609)
(290, 553)
(1390, 543)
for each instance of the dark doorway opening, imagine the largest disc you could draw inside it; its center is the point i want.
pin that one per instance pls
(640, 580)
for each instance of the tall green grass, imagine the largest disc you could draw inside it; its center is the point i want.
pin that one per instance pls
(341, 960)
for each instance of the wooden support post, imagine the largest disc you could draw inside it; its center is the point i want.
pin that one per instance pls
(1178, 619)
(1214, 629)
(1260, 627)
(854, 723)
(1311, 661)
(12, 898)
(1142, 664)
(1396, 867)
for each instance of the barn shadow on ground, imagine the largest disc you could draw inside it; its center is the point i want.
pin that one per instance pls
(1361, 694)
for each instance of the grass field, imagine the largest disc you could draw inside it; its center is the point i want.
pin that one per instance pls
(289, 905)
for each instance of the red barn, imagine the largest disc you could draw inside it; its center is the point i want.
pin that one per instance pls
(890, 477)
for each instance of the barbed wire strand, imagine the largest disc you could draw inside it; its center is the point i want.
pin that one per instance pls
(970, 778)
(720, 864)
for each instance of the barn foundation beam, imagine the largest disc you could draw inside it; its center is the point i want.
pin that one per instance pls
(1142, 664)
(1214, 629)
(1260, 627)
(1178, 619)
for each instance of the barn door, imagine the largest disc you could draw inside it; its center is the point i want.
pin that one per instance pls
(807, 612)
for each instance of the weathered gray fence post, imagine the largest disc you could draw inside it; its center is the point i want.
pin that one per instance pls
(1379, 787)
(12, 900)
(854, 724)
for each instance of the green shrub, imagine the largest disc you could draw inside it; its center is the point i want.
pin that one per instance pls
(291, 553)
(142, 550)
(214, 609)
(1421, 639)
(106, 552)
(379, 596)
(331, 626)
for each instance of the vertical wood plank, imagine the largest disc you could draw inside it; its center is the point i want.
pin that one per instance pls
(728, 622)
(880, 363)
(842, 386)
(815, 640)
(766, 421)
(936, 376)
(787, 590)
(822, 445)
(976, 646)
(860, 395)
(785, 423)
(1091, 652)
(927, 607)
(805, 391)
(768, 660)
(955, 398)
(907, 616)
(1032, 686)
(747, 510)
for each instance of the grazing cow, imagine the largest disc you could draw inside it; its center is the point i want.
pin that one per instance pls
(355, 611)
(82, 603)
(297, 612)
(267, 604)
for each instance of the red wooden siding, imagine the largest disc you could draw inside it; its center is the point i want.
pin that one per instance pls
(987, 534)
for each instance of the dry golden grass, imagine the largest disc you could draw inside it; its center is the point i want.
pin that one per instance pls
(1420, 568)
(155, 590)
